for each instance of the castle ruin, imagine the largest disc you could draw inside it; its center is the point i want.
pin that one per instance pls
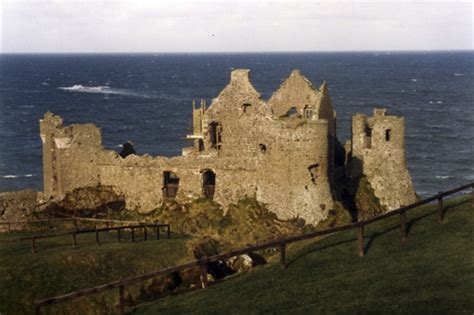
(281, 152)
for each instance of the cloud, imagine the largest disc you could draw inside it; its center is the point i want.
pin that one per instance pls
(230, 25)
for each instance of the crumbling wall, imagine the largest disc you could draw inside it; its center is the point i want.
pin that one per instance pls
(237, 111)
(141, 179)
(297, 94)
(69, 155)
(17, 206)
(378, 152)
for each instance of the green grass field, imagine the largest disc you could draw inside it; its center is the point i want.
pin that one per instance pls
(57, 269)
(431, 272)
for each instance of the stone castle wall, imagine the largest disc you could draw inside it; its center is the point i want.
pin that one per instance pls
(378, 152)
(281, 161)
(280, 151)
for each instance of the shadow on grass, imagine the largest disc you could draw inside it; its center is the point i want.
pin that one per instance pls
(459, 203)
(371, 238)
(450, 207)
(292, 261)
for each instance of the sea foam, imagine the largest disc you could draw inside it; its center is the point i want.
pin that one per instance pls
(101, 89)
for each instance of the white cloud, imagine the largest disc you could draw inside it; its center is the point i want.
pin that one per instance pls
(233, 25)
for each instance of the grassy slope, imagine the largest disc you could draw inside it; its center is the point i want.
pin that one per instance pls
(433, 271)
(58, 269)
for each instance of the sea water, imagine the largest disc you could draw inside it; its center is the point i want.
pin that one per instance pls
(146, 98)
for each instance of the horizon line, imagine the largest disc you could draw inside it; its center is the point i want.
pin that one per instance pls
(237, 52)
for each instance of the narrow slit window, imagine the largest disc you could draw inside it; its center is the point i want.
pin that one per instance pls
(368, 137)
(308, 112)
(314, 172)
(388, 134)
(201, 145)
(263, 148)
(246, 107)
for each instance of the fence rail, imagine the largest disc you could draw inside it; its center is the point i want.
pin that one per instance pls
(281, 244)
(136, 225)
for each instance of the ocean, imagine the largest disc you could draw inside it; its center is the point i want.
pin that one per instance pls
(146, 98)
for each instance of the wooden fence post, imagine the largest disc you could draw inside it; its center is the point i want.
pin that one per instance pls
(97, 237)
(74, 240)
(75, 224)
(403, 220)
(203, 271)
(122, 299)
(145, 233)
(283, 255)
(118, 234)
(360, 239)
(9, 227)
(33, 245)
(133, 235)
(440, 208)
(157, 230)
(168, 230)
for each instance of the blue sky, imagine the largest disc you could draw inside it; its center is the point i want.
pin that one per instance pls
(233, 26)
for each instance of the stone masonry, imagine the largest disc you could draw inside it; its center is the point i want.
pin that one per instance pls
(279, 151)
(378, 152)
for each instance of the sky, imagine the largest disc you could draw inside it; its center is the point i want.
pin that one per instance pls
(100, 26)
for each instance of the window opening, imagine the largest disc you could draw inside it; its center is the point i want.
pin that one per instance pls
(308, 112)
(215, 131)
(201, 145)
(292, 111)
(368, 137)
(314, 172)
(170, 184)
(208, 183)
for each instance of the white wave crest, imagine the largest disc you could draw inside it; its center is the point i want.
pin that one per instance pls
(101, 89)
(17, 176)
(443, 176)
(458, 74)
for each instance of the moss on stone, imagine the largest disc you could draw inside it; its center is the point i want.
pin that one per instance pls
(367, 204)
(340, 215)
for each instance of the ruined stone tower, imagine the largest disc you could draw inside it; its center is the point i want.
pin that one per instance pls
(69, 155)
(378, 152)
(298, 96)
